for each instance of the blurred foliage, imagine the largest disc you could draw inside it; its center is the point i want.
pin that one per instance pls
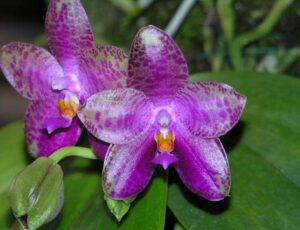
(115, 25)
(202, 36)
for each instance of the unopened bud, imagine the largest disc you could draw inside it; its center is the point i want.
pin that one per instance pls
(36, 193)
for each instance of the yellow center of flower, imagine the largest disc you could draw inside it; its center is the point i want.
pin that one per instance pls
(67, 108)
(164, 140)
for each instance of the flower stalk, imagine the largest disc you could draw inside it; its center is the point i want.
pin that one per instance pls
(83, 152)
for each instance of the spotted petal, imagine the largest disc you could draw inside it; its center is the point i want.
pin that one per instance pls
(40, 143)
(29, 69)
(105, 67)
(69, 32)
(156, 65)
(202, 166)
(117, 116)
(209, 109)
(127, 168)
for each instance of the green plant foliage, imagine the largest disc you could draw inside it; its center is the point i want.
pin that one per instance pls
(12, 160)
(118, 207)
(146, 212)
(264, 157)
(84, 206)
(114, 24)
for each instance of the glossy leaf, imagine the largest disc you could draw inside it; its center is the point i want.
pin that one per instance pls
(148, 210)
(264, 157)
(85, 207)
(81, 182)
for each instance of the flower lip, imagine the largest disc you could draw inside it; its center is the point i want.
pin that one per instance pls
(68, 105)
(163, 118)
(164, 159)
(165, 140)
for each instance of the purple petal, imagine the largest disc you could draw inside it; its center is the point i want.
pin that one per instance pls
(127, 168)
(99, 147)
(209, 109)
(106, 68)
(164, 159)
(69, 32)
(54, 123)
(40, 143)
(156, 65)
(29, 69)
(202, 165)
(117, 116)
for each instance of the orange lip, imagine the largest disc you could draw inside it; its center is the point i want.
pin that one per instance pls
(67, 108)
(165, 143)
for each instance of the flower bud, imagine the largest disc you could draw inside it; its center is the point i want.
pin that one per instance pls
(36, 193)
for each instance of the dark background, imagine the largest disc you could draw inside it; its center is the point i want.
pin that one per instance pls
(19, 21)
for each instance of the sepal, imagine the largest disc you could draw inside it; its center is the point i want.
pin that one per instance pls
(118, 207)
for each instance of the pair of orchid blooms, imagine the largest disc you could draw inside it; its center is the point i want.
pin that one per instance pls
(141, 104)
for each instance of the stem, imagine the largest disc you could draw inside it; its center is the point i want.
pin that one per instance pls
(263, 29)
(144, 4)
(291, 56)
(73, 151)
(209, 41)
(227, 16)
(179, 16)
(207, 30)
(218, 58)
(208, 33)
(126, 6)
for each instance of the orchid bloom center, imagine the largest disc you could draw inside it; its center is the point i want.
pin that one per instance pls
(68, 105)
(164, 136)
(69, 82)
(165, 140)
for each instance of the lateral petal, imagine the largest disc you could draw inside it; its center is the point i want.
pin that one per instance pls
(117, 116)
(29, 69)
(209, 109)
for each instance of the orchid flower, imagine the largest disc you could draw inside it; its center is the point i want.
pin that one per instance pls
(58, 83)
(161, 119)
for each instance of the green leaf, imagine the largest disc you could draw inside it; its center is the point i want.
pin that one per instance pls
(13, 158)
(264, 157)
(148, 210)
(118, 207)
(81, 182)
(84, 206)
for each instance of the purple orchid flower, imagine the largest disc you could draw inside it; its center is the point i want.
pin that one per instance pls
(59, 84)
(161, 119)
